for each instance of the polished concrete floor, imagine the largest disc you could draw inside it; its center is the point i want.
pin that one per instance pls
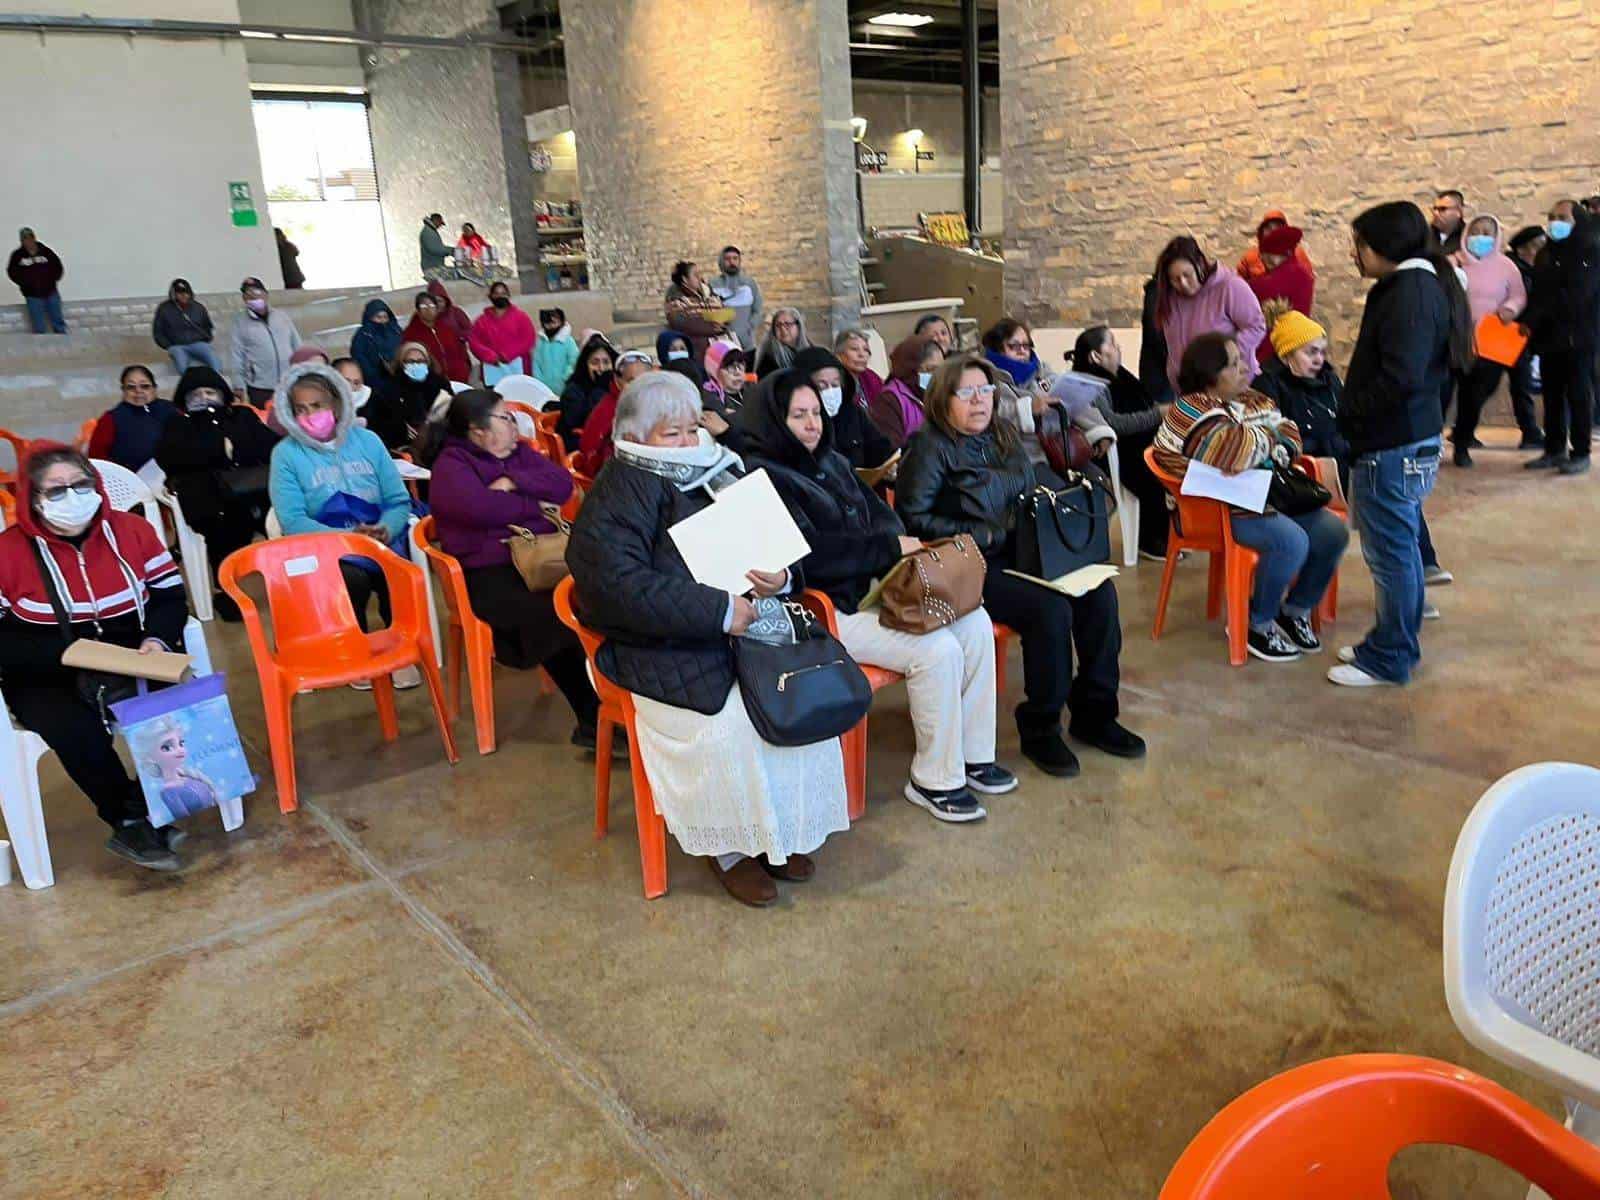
(434, 981)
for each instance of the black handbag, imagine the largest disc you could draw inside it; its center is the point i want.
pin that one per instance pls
(1294, 493)
(243, 483)
(1062, 529)
(800, 694)
(98, 689)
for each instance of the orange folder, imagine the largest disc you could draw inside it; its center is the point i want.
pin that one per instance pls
(1499, 342)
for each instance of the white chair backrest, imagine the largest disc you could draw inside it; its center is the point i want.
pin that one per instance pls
(1051, 345)
(1522, 926)
(127, 492)
(877, 354)
(460, 387)
(525, 389)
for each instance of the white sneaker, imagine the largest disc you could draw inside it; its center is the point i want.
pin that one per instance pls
(1430, 612)
(1436, 576)
(361, 685)
(1350, 675)
(1347, 654)
(407, 678)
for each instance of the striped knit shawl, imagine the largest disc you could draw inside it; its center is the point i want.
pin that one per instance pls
(1231, 435)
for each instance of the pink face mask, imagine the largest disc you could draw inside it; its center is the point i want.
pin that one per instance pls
(319, 424)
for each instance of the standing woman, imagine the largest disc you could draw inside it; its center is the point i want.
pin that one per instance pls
(785, 337)
(1196, 295)
(444, 344)
(502, 337)
(1494, 285)
(1414, 332)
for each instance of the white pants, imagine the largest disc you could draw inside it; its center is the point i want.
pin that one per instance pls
(950, 681)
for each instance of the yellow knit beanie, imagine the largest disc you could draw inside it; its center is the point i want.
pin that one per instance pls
(1293, 330)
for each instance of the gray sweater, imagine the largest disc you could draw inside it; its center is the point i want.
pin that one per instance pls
(742, 294)
(262, 346)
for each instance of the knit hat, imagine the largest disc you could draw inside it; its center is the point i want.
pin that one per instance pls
(1281, 240)
(308, 352)
(1293, 330)
(1525, 235)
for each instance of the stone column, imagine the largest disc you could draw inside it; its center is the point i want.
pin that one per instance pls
(700, 124)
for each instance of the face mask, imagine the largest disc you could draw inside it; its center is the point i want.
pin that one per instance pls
(1480, 245)
(319, 424)
(416, 370)
(924, 378)
(501, 301)
(72, 512)
(196, 404)
(832, 400)
(1560, 231)
(257, 304)
(674, 355)
(361, 395)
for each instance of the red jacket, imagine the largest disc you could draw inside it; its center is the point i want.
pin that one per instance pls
(595, 447)
(1291, 280)
(442, 341)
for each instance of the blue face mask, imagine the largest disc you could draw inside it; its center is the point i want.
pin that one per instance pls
(1480, 245)
(1560, 230)
(417, 371)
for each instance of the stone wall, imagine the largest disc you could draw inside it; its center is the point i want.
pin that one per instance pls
(744, 138)
(1127, 125)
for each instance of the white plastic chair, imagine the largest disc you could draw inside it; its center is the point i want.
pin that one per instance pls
(525, 389)
(1127, 510)
(1522, 931)
(128, 491)
(457, 387)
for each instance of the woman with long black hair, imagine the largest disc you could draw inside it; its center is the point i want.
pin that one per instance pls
(1415, 331)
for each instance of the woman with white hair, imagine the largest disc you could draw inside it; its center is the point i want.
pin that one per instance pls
(753, 810)
(785, 337)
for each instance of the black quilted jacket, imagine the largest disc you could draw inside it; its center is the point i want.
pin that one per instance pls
(961, 485)
(663, 630)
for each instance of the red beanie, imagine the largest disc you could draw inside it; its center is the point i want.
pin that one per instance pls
(1281, 240)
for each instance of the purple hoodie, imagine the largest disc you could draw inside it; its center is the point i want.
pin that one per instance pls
(1224, 304)
(471, 518)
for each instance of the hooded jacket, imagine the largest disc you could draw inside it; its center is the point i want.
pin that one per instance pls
(1564, 313)
(854, 536)
(854, 435)
(583, 395)
(198, 449)
(1251, 265)
(1224, 304)
(120, 582)
(450, 311)
(36, 274)
(665, 338)
(262, 347)
(897, 409)
(442, 340)
(504, 337)
(472, 518)
(741, 293)
(306, 474)
(1291, 281)
(554, 358)
(431, 249)
(374, 346)
(1493, 281)
(177, 325)
(400, 403)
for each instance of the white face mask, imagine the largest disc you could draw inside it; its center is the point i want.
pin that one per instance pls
(675, 355)
(924, 378)
(73, 512)
(832, 400)
(361, 395)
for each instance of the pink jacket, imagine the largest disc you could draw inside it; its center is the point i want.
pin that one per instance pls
(1493, 281)
(1224, 304)
(498, 337)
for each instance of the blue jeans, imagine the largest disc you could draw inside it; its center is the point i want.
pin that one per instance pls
(1304, 551)
(1387, 489)
(46, 309)
(184, 357)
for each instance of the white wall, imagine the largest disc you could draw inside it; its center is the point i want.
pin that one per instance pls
(123, 150)
(281, 64)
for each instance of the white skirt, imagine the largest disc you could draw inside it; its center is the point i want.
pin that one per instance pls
(722, 790)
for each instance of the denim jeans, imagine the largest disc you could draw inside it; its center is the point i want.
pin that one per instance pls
(203, 353)
(1387, 489)
(44, 313)
(1304, 550)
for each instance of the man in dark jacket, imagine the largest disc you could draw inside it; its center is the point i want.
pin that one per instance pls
(1525, 247)
(1449, 220)
(1563, 316)
(36, 270)
(182, 327)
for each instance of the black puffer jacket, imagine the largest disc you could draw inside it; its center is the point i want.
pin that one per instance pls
(663, 630)
(963, 484)
(853, 534)
(1399, 366)
(854, 436)
(1312, 404)
(194, 449)
(1563, 310)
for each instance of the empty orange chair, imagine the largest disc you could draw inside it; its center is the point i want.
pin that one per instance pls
(1329, 1130)
(19, 448)
(316, 642)
(468, 638)
(85, 432)
(545, 439)
(616, 708)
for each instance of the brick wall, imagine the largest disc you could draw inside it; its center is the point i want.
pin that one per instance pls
(699, 124)
(1128, 124)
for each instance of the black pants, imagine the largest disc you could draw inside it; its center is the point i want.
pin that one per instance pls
(71, 728)
(1447, 394)
(233, 528)
(1476, 388)
(1051, 625)
(1568, 400)
(1522, 399)
(1136, 477)
(528, 634)
(363, 585)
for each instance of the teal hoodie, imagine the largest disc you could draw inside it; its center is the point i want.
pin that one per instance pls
(306, 473)
(554, 358)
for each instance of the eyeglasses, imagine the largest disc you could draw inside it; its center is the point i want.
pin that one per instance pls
(83, 487)
(146, 386)
(1019, 346)
(972, 393)
(786, 325)
(506, 417)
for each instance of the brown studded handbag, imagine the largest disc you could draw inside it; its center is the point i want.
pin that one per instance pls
(933, 587)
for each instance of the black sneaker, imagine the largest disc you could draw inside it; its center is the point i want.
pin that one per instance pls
(1051, 755)
(587, 737)
(1545, 462)
(956, 807)
(142, 845)
(1298, 630)
(1111, 738)
(1475, 444)
(990, 778)
(1532, 441)
(171, 836)
(1461, 458)
(1272, 646)
(1575, 466)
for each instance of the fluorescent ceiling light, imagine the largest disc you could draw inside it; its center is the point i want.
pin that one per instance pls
(903, 20)
(914, 135)
(256, 33)
(322, 37)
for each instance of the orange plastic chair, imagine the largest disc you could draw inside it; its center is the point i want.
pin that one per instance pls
(19, 447)
(1328, 610)
(85, 432)
(854, 743)
(545, 439)
(316, 641)
(8, 510)
(585, 482)
(1002, 642)
(1329, 1130)
(547, 419)
(468, 638)
(616, 708)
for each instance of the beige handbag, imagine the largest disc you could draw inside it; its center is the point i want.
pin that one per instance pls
(933, 587)
(541, 558)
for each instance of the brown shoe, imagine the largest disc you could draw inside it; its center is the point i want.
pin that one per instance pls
(746, 882)
(797, 869)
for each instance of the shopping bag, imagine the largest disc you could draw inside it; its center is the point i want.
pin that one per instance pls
(186, 748)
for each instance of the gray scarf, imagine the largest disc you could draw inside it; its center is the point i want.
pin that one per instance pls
(706, 464)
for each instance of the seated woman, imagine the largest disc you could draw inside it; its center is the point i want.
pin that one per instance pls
(1134, 417)
(401, 402)
(120, 586)
(672, 346)
(129, 433)
(854, 435)
(328, 475)
(215, 455)
(754, 810)
(854, 539)
(595, 444)
(724, 378)
(854, 349)
(470, 247)
(1220, 421)
(484, 480)
(932, 325)
(897, 409)
(1023, 390)
(784, 338)
(1307, 390)
(588, 385)
(964, 472)
(445, 344)
(376, 343)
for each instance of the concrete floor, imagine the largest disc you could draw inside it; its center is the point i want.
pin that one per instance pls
(434, 981)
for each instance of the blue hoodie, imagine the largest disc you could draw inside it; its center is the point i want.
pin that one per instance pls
(374, 346)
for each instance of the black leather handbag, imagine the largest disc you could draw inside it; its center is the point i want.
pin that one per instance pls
(1294, 493)
(802, 693)
(1062, 529)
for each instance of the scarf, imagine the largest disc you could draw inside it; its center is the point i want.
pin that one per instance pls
(706, 464)
(1021, 373)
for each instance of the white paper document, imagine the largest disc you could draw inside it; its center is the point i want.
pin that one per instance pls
(1247, 489)
(747, 529)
